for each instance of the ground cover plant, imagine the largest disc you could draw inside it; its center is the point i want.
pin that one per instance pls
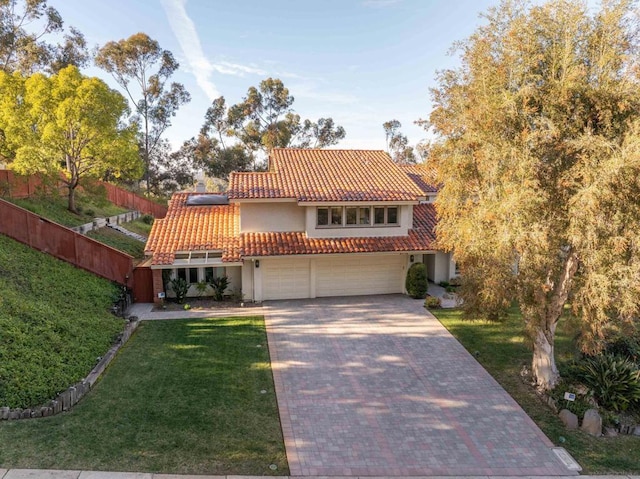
(502, 349)
(142, 225)
(183, 396)
(54, 208)
(54, 323)
(119, 241)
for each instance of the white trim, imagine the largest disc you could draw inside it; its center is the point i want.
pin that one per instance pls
(359, 203)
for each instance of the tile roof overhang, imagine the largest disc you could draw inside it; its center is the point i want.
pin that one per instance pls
(313, 175)
(195, 228)
(198, 228)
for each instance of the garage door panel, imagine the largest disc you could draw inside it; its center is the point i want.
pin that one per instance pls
(359, 276)
(286, 279)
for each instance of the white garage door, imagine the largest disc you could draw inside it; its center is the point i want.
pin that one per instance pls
(285, 279)
(362, 275)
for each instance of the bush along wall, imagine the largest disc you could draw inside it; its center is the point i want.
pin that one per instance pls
(416, 283)
(72, 395)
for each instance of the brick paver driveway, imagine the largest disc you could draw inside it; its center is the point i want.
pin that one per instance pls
(376, 386)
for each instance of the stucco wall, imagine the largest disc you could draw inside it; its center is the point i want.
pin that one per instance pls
(277, 216)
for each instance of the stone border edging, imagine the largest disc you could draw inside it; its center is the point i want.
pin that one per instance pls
(69, 398)
(103, 222)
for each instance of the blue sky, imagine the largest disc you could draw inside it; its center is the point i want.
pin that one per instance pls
(361, 62)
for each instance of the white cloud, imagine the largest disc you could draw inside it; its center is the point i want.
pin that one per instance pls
(228, 68)
(187, 36)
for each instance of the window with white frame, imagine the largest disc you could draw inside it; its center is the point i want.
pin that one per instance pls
(357, 216)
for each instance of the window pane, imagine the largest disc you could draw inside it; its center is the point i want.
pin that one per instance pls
(378, 215)
(365, 216)
(336, 215)
(208, 274)
(193, 275)
(392, 215)
(323, 216)
(352, 214)
(182, 273)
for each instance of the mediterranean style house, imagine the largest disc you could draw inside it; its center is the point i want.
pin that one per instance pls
(317, 223)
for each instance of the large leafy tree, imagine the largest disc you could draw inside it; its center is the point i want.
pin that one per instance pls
(265, 119)
(143, 69)
(24, 29)
(539, 157)
(67, 125)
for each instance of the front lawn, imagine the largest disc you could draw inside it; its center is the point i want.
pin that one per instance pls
(502, 350)
(183, 396)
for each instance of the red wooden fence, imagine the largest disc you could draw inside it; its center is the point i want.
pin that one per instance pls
(127, 199)
(18, 186)
(65, 244)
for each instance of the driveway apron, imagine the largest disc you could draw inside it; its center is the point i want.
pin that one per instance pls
(376, 386)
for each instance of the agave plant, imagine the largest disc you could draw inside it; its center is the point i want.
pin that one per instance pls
(615, 381)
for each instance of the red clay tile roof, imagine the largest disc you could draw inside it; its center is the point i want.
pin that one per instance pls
(309, 175)
(422, 175)
(192, 228)
(420, 238)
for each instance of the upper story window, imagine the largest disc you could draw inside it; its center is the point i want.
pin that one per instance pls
(357, 216)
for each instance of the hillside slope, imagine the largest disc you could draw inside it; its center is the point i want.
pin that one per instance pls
(54, 324)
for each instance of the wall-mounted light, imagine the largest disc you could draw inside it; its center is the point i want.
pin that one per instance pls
(257, 263)
(411, 258)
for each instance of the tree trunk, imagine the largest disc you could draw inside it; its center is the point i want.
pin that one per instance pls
(543, 367)
(545, 372)
(71, 206)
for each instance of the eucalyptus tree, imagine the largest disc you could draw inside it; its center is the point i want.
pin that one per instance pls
(25, 28)
(143, 69)
(398, 143)
(538, 152)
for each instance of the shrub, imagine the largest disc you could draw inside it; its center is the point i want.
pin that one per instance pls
(416, 283)
(450, 289)
(457, 281)
(147, 219)
(90, 213)
(219, 286)
(201, 286)
(180, 287)
(444, 284)
(577, 407)
(625, 347)
(432, 302)
(615, 381)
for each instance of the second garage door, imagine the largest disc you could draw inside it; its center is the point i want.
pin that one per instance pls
(359, 276)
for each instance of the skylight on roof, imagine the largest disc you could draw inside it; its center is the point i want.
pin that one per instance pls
(207, 200)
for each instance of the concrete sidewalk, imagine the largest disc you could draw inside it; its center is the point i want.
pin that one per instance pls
(144, 311)
(55, 474)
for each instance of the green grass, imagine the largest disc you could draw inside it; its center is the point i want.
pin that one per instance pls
(183, 396)
(54, 323)
(138, 226)
(502, 350)
(55, 209)
(119, 241)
